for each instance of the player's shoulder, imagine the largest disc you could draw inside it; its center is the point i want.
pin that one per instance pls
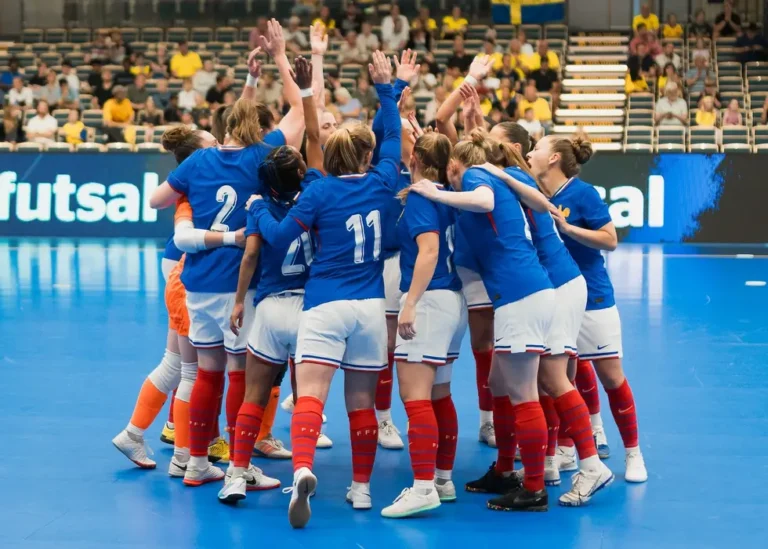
(521, 175)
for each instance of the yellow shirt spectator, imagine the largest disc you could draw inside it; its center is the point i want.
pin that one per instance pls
(458, 82)
(145, 70)
(706, 119)
(541, 110)
(497, 60)
(451, 25)
(185, 66)
(651, 22)
(532, 62)
(431, 24)
(673, 32)
(331, 25)
(73, 132)
(121, 112)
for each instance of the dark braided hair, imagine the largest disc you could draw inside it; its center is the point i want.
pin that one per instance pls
(282, 172)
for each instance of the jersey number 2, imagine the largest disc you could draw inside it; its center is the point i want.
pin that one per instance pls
(289, 263)
(228, 196)
(355, 224)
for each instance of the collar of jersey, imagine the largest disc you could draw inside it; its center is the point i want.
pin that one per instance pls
(563, 186)
(350, 175)
(230, 148)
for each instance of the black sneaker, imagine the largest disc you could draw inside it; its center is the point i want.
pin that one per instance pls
(521, 500)
(494, 483)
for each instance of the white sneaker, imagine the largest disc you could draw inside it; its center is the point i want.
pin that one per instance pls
(488, 434)
(585, 484)
(446, 491)
(389, 436)
(233, 491)
(133, 449)
(411, 502)
(359, 495)
(636, 471)
(566, 458)
(304, 485)
(255, 478)
(551, 471)
(601, 442)
(323, 441)
(287, 404)
(177, 469)
(195, 477)
(271, 448)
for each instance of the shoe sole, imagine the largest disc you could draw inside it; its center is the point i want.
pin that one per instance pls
(299, 511)
(253, 488)
(359, 507)
(449, 499)
(260, 454)
(412, 513)
(605, 484)
(603, 452)
(534, 509)
(325, 447)
(232, 499)
(139, 465)
(636, 481)
(392, 447)
(167, 440)
(196, 483)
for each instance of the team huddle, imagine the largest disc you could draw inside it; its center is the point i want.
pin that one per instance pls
(372, 250)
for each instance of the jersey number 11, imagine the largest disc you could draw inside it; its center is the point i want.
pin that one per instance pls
(355, 224)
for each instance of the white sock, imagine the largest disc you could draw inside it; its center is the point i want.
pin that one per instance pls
(442, 474)
(181, 454)
(237, 472)
(591, 463)
(364, 487)
(633, 450)
(169, 424)
(384, 415)
(486, 416)
(136, 431)
(596, 420)
(199, 463)
(423, 486)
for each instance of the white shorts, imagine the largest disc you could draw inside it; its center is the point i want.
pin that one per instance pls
(523, 326)
(392, 291)
(570, 302)
(473, 289)
(441, 320)
(600, 335)
(276, 327)
(209, 321)
(351, 334)
(167, 265)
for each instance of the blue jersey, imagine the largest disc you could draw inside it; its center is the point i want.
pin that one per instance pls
(582, 207)
(345, 216)
(501, 243)
(553, 255)
(171, 251)
(282, 268)
(390, 215)
(420, 216)
(218, 183)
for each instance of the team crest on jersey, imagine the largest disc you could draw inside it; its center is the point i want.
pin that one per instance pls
(565, 211)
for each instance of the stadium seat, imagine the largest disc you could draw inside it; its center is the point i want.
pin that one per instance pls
(229, 58)
(40, 47)
(178, 34)
(731, 69)
(29, 146)
(17, 49)
(702, 148)
(6, 147)
(51, 59)
(670, 147)
(26, 60)
(119, 147)
(666, 135)
(76, 58)
(735, 135)
(61, 116)
(80, 36)
(757, 68)
(152, 34)
(639, 135)
(129, 34)
(503, 32)
(139, 46)
(757, 83)
(760, 134)
(559, 32)
(150, 147)
(59, 147)
(215, 47)
(532, 32)
(93, 118)
(640, 117)
(638, 148)
(30, 36)
(89, 147)
(699, 136)
(226, 34)
(732, 84)
(737, 148)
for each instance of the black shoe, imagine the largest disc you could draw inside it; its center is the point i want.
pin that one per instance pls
(494, 483)
(521, 500)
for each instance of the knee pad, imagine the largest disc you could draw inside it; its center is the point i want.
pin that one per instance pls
(167, 375)
(188, 377)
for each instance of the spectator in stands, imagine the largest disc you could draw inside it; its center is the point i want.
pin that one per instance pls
(72, 79)
(641, 62)
(671, 110)
(419, 40)
(368, 42)
(706, 115)
(349, 107)
(103, 92)
(118, 50)
(324, 18)
(508, 70)
(644, 36)
(74, 131)
(700, 28)
(352, 21)
(42, 127)
(727, 23)
(40, 78)
(646, 18)
(394, 30)
(172, 113)
(732, 115)
(764, 116)
(710, 89)
(269, 91)
(669, 56)
(138, 93)
(531, 125)
(51, 92)
(187, 95)
(430, 111)
(10, 128)
(454, 24)
(215, 95)
(349, 51)
(125, 77)
(118, 115)
(150, 116)
(295, 39)
(140, 66)
(531, 100)
(545, 79)
(205, 78)
(425, 81)
(188, 120)
(161, 97)
(697, 75)
(161, 66)
(257, 32)
(533, 62)
(304, 7)
(669, 74)
(751, 45)
(185, 63)
(526, 48)
(20, 95)
(366, 94)
(99, 49)
(94, 77)
(204, 122)
(460, 58)
(701, 50)
(68, 97)
(506, 103)
(424, 21)
(490, 49)
(331, 107)
(672, 29)
(201, 109)
(6, 77)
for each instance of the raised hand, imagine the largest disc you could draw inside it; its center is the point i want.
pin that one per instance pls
(254, 64)
(480, 66)
(417, 131)
(302, 73)
(318, 39)
(380, 69)
(406, 67)
(404, 100)
(274, 41)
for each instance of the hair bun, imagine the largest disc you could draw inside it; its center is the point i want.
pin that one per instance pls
(582, 149)
(478, 137)
(174, 137)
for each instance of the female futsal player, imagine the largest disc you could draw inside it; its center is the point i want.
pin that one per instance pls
(343, 323)
(586, 228)
(523, 298)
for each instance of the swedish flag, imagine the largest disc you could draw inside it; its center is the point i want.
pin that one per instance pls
(516, 12)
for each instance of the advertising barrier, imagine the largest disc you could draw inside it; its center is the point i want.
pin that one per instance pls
(712, 198)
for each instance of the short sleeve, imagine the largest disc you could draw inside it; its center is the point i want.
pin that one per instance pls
(421, 216)
(312, 174)
(251, 224)
(593, 209)
(474, 178)
(305, 210)
(180, 177)
(275, 138)
(183, 210)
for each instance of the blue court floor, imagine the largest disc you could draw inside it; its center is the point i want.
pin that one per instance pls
(82, 323)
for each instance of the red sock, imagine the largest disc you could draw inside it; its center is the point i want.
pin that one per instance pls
(202, 410)
(235, 396)
(448, 432)
(422, 438)
(624, 413)
(531, 430)
(553, 422)
(504, 425)
(305, 428)
(170, 408)
(575, 419)
(483, 360)
(364, 434)
(243, 437)
(586, 383)
(384, 386)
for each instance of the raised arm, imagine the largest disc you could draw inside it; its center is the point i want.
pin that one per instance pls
(318, 40)
(443, 119)
(479, 200)
(381, 74)
(254, 71)
(533, 198)
(303, 75)
(277, 234)
(406, 69)
(191, 240)
(473, 116)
